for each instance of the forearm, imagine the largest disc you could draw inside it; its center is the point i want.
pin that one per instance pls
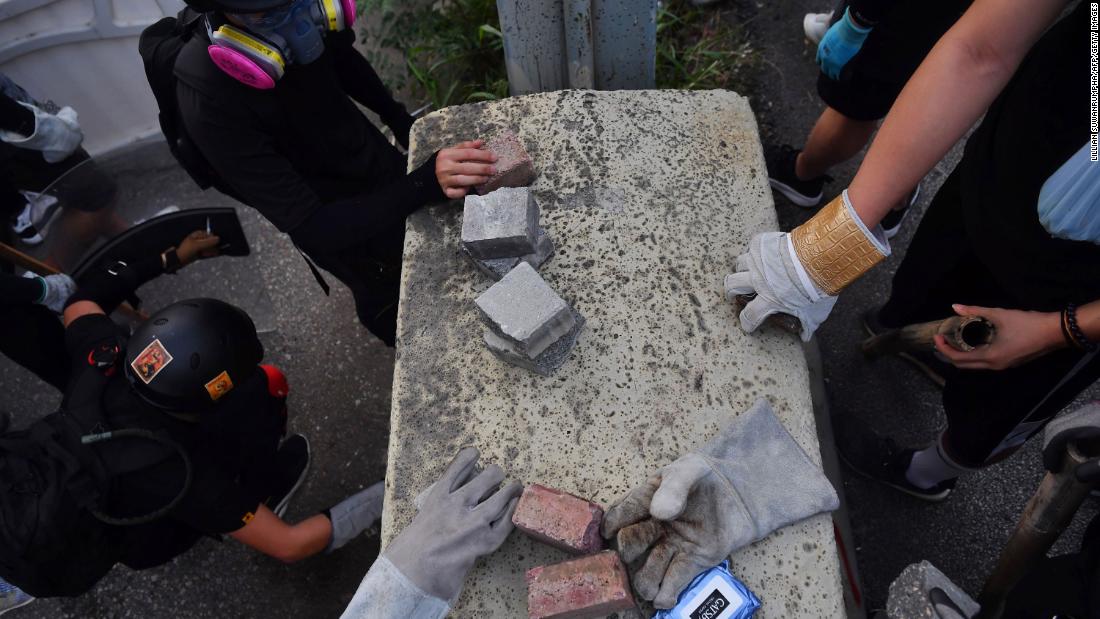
(953, 87)
(362, 83)
(307, 538)
(288, 543)
(346, 223)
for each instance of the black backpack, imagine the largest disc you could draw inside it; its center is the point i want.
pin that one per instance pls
(159, 46)
(55, 538)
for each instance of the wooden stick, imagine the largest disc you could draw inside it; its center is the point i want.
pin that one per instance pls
(34, 265)
(963, 333)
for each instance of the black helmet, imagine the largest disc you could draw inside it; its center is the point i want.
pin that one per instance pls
(191, 353)
(235, 6)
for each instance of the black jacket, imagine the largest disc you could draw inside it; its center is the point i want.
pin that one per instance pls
(302, 153)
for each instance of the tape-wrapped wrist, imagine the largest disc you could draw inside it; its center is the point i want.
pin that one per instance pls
(835, 247)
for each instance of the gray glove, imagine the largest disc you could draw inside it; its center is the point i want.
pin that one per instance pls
(463, 517)
(746, 482)
(56, 289)
(772, 271)
(56, 136)
(354, 515)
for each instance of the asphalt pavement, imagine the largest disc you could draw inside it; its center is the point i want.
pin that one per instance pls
(340, 380)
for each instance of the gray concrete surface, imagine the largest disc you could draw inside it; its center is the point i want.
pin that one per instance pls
(661, 365)
(964, 535)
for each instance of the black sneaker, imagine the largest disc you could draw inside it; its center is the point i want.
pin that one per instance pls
(879, 458)
(23, 227)
(292, 460)
(782, 178)
(927, 362)
(891, 224)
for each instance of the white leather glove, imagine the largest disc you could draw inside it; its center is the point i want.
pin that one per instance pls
(56, 289)
(772, 272)
(464, 516)
(801, 273)
(748, 481)
(56, 136)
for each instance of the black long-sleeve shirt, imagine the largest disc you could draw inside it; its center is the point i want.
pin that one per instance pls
(15, 290)
(302, 153)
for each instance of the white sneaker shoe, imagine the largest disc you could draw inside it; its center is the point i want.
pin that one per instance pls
(815, 25)
(23, 227)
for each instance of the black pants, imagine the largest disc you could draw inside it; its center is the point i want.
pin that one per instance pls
(989, 413)
(32, 336)
(373, 273)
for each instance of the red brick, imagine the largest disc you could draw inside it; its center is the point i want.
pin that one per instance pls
(514, 165)
(582, 588)
(559, 519)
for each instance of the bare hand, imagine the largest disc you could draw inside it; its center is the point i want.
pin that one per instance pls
(463, 166)
(1021, 337)
(199, 244)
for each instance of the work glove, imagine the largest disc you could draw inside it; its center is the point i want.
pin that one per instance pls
(749, 480)
(801, 272)
(56, 289)
(463, 516)
(56, 136)
(354, 515)
(841, 42)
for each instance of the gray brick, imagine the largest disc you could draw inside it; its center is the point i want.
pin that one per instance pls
(525, 310)
(545, 364)
(502, 224)
(497, 268)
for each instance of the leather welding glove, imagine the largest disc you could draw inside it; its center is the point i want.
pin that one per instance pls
(749, 480)
(801, 272)
(464, 515)
(355, 514)
(56, 136)
(56, 289)
(840, 44)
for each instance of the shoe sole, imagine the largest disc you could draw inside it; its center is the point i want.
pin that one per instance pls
(930, 498)
(932, 375)
(792, 194)
(282, 506)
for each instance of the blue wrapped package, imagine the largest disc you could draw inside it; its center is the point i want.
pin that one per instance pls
(714, 594)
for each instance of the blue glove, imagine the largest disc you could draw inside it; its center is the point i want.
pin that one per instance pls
(840, 43)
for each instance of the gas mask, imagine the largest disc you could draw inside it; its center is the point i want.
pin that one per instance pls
(258, 54)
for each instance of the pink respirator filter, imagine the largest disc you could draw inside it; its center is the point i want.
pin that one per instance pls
(241, 67)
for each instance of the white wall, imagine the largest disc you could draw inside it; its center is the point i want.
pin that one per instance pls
(83, 53)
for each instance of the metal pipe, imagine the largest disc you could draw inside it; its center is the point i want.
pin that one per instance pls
(1046, 515)
(963, 333)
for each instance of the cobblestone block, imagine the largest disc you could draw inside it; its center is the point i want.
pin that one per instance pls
(514, 165)
(584, 588)
(502, 224)
(524, 310)
(559, 519)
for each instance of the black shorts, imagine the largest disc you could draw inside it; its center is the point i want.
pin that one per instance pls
(989, 413)
(77, 181)
(873, 79)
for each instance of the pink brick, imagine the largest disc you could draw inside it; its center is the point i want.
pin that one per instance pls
(559, 519)
(514, 165)
(591, 586)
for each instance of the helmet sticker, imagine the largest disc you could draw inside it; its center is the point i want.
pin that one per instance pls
(151, 361)
(219, 386)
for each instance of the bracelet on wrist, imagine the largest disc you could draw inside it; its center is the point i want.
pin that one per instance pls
(1076, 335)
(170, 260)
